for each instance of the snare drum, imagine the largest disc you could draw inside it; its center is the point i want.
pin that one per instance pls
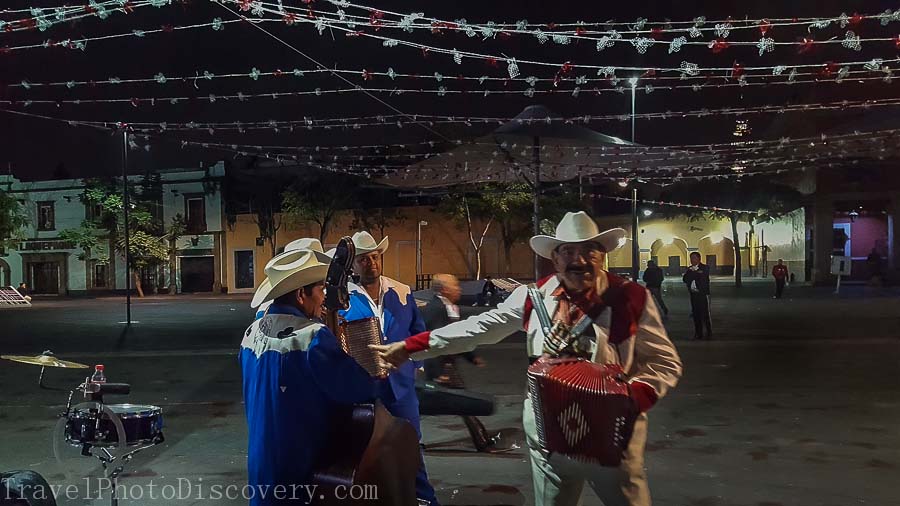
(142, 423)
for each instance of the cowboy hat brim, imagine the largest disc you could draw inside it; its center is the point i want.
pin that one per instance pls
(325, 258)
(381, 247)
(268, 291)
(545, 245)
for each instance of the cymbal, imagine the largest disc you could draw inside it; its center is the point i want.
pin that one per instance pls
(44, 360)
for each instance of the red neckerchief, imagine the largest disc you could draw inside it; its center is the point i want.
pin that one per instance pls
(626, 301)
(571, 307)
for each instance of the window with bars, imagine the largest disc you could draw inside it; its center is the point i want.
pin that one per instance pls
(46, 215)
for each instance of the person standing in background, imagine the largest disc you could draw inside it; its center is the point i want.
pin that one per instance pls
(442, 310)
(653, 278)
(697, 280)
(780, 273)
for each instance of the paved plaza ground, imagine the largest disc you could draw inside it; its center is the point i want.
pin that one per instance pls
(794, 403)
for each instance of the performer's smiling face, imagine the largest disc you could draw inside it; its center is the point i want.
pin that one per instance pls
(578, 264)
(368, 266)
(312, 299)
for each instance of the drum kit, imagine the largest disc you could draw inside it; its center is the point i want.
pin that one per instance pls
(109, 432)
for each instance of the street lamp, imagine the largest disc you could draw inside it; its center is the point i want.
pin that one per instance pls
(635, 250)
(421, 224)
(633, 82)
(647, 212)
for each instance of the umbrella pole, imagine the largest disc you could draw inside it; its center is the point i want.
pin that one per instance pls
(41, 378)
(536, 160)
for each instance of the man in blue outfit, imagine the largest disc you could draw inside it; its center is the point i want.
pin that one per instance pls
(294, 376)
(393, 304)
(304, 243)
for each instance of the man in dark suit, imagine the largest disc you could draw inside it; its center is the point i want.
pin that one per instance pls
(440, 311)
(653, 278)
(697, 280)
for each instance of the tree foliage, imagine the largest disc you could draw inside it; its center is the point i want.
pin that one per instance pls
(12, 220)
(509, 206)
(147, 240)
(376, 219)
(87, 237)
(317, 197)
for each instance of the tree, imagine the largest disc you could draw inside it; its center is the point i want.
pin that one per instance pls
(146, 245)
(513, 208)
(317, 197)
(176, 230)
(376, 219)
(145, 251)
(12, 220)
(464, 207)
(750, 199)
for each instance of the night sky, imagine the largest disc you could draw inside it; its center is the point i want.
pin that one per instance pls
(34, 149)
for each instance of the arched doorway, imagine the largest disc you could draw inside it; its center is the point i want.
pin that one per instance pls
(5, 274)
(717, 251)
(671, 255)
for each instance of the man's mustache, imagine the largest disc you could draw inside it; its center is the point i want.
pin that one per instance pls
(578, 269)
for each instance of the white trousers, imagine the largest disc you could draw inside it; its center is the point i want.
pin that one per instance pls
(559, 480)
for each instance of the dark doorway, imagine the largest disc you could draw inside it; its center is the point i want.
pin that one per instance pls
(45, 278)
(711, 262)
(243, 269)
(674, 268)
(197, 274)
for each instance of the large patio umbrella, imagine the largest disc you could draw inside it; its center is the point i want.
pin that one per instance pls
(536, 146)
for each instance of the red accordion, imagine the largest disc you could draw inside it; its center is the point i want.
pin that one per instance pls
(582, 409)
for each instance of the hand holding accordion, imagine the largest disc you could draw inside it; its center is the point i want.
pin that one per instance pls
(582, 409)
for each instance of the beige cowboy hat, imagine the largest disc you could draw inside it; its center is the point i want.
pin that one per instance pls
(287, 272)
(365, 243)
(577, 227)
(311, 244)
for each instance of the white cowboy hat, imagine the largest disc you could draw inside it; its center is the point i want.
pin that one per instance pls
(365, 243)
(287, 272)
(311, 244)
(576, 227)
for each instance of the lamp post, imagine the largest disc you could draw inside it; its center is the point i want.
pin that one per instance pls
(635, 248)
(421, 224)
(127, 204)
(633, 82)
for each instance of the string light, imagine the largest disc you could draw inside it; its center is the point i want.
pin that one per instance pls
(321, 24)
(671, 204)
(440, 92)
(662, 26)
(43, 18)
(215, 24)
(875, 65)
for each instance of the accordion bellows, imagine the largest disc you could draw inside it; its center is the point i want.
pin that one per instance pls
(582, 409)
(355, 338)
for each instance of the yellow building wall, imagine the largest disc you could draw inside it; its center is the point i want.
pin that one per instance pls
(446, 247)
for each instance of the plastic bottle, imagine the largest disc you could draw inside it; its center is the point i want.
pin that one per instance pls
(99, 376)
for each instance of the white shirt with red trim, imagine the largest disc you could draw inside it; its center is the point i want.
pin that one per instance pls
(646, 353)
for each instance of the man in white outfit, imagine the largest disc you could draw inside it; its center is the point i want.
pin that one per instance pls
(627, 330)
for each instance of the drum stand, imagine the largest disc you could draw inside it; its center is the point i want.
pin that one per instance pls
(106, 457)
(112, 473)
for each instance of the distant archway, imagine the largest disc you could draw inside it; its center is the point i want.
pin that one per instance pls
(717, 252)
(5, 274)
(671, 255)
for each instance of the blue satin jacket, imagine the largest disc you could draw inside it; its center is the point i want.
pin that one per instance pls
(400, 318)
(294, 373)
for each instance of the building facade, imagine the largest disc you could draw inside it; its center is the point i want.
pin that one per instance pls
(446, 247)
(50, 265)
(854, 212)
